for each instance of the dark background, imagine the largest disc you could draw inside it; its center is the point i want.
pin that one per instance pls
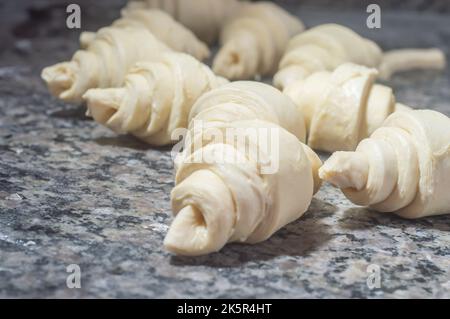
(33, 32)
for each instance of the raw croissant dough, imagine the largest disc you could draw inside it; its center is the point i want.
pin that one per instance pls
(343, 107)
(204, 17)
(325, 47)
(254, 39)
(162, 26)
(404, 167)
(155, 99)
(216, 200)
(104, 63)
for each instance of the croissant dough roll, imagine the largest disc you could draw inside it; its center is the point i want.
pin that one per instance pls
(249, 100)
(162, 26)
(203, 17)
(325, 47)
(228, 199)
(156, 98)
(408, 59)
(222, 193)
(254, 40)
(343, 107)
(404, 167)
(104, 63)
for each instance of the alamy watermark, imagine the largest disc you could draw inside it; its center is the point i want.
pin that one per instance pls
(374, 279)
(74, 278)
(73, 20)
(374, 19)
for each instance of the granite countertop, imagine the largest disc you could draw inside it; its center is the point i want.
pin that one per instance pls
(72, 192)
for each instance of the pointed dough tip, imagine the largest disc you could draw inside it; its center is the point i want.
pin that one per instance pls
(59, 77)
(345, 170)
(229, 65)
(103, 103)
(188, 234)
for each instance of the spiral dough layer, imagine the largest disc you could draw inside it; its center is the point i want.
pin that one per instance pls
(404, 167)
(204, 17)
(325, 47)
(343, 107)
(104, 63)
(254, 40)
(162, 26)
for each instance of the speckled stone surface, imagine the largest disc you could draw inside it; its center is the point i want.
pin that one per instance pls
(72, 192)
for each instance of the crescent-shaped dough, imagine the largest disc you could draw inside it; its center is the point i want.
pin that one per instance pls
(222, 193)
(342, 107)
(104, 63)
(247, 100)
(404, 167)
(156, 98)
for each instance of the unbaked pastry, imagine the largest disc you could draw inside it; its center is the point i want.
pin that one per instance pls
(342, 107)
(225, 196)
(404, 167)
(204, 17)
(156, 98)
(327, 46)
(253, 40)
(104, 63)
(162, 26)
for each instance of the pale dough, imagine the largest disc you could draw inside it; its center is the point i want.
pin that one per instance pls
(342, 107)
(156, 98)
(325, 47)
(408, 59)
(404, 167)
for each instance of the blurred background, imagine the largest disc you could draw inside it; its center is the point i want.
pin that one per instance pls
(33, 32)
